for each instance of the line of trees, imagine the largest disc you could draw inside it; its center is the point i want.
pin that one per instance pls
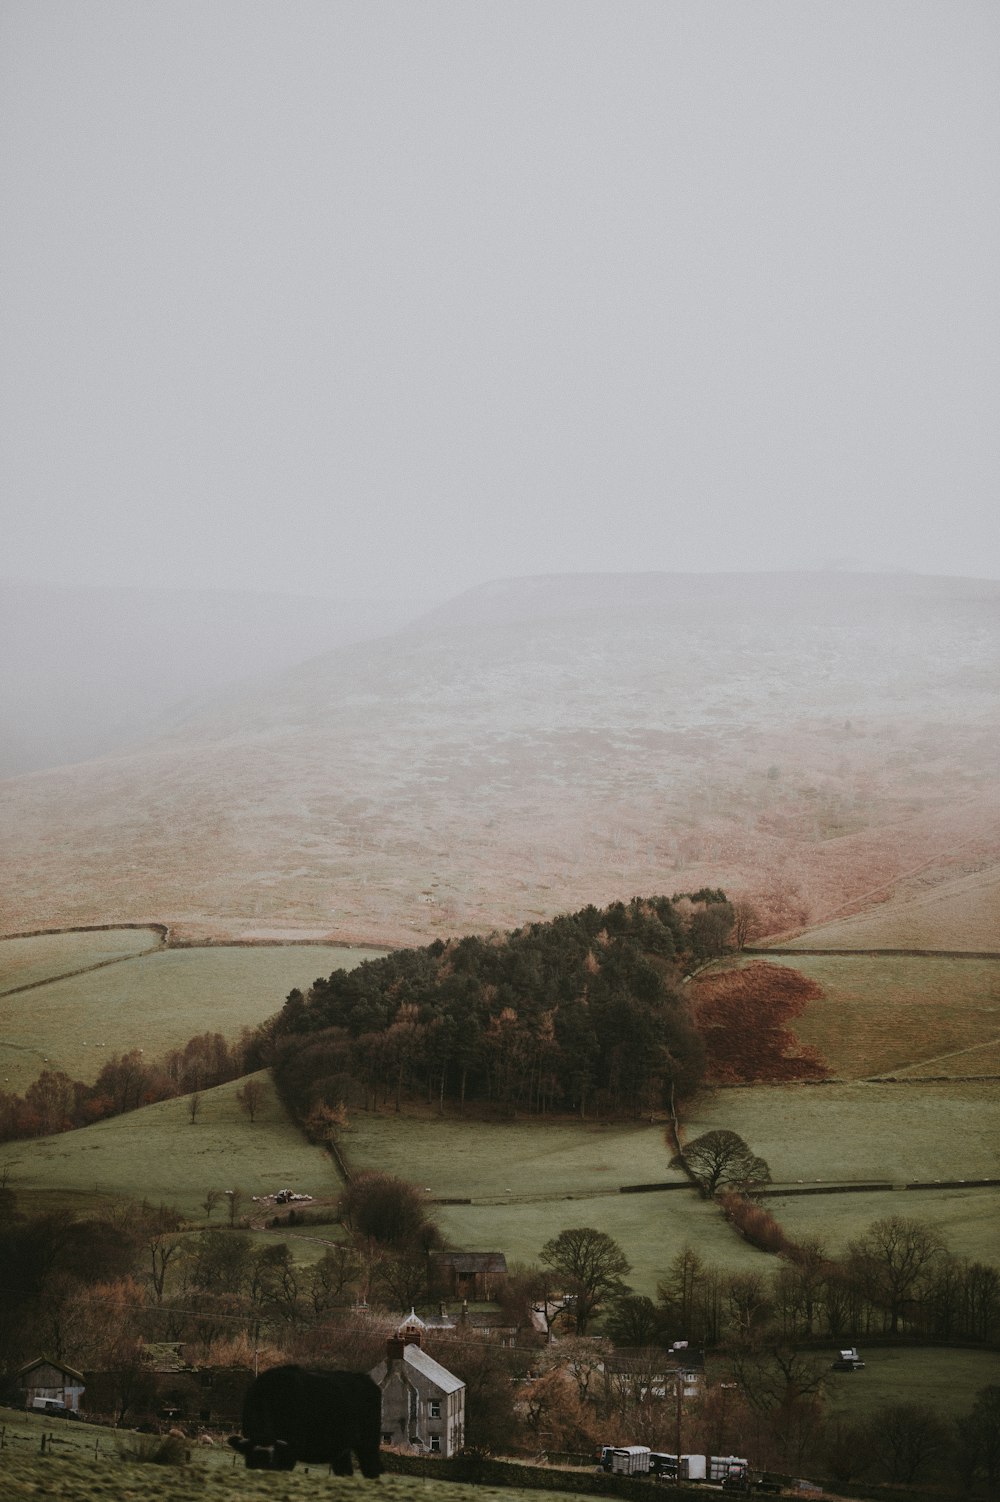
(57, 1103)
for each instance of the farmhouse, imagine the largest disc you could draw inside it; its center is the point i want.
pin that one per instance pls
(639, 1373)
(46, 1382)
(423, 1404)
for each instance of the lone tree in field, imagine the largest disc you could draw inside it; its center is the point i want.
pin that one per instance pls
(593, 1267)
(718, 1158)
(251, 1097)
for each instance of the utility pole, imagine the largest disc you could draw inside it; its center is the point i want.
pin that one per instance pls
(679, 1395)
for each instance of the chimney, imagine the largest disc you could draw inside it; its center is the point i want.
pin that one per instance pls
(394, 1348)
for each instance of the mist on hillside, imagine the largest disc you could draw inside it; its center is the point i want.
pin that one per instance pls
(537, 744)
(85, 671)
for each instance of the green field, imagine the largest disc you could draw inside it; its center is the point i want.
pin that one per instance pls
(884, 1014)
(852, 1133)
(946, 1380)
(966, 1218)
(155, 1001)
(25, 962)
(157, 1154)
(500, 1159)
(529, 1182)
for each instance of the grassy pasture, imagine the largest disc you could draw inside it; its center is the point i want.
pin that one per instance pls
(154, 1002)
(967, 1219)
(881, 1014)
(24, 962)
(924, 913)
(946, 1380)
(491, 1159)
(842, 1133)
(157, 1154)
(650, 1228)
(72, 1472)
(530, 1182)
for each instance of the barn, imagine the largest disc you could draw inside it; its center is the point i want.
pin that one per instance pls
(46, 1382)
(468, 1275)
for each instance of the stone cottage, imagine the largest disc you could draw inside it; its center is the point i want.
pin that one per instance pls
(423, 1404)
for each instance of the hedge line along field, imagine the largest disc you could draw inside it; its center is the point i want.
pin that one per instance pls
(881, 1014)
(154, 1001)
(157, 1154)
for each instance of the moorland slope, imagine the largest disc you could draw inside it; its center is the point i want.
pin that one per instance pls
(804, 740)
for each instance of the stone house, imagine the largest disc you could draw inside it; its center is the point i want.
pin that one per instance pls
(423, 1404)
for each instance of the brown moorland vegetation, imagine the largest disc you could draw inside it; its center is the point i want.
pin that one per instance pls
(543, 745)
(743, 1016)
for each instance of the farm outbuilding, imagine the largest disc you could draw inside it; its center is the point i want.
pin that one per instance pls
(46, 1381)
(468, 1275)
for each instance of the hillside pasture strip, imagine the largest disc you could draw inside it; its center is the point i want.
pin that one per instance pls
(966, 1218)
(44, 957)
(880, 1013)
(157, 1154)
(72, 1472)
(502, 1160)
(155, 1002)
(866, 1132)
(650, 1228)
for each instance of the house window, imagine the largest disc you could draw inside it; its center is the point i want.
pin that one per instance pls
(435, 1409)
(413, 1403)
(436, 1442)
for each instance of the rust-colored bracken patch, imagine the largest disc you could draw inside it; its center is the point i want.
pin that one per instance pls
(743, 1016)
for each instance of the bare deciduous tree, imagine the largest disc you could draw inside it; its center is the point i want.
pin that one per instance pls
(251, 1097)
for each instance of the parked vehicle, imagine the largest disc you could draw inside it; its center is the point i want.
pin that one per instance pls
(727, 1467)
(52, 1406)
(848, 1361)
(625, 1460)
(662, 1464)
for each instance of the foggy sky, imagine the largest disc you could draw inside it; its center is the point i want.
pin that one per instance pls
(398, 297)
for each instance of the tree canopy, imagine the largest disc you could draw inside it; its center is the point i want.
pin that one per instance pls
(593, 1267)
(584, 1013)
(718, 1158)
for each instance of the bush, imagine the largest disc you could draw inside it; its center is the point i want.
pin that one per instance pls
(155, 1449)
